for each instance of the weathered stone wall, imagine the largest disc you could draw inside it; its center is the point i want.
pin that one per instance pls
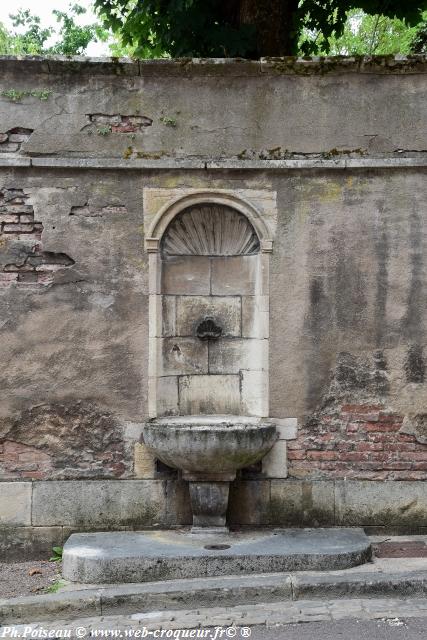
(341, 147)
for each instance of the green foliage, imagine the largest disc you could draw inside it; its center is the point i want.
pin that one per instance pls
(16, 95)
(185, 28)
(182, 28)
(363, 34)
(56, 586)
(419, 41)
(179, 28)
(104, 130)
(329, 21)
(57, 554)
(168, 122)
(4, 40)
(74, 39)
(32, 39)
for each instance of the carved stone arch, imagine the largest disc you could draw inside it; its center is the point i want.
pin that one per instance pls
(167, 213)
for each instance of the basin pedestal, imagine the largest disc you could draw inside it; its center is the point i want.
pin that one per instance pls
(209, 502)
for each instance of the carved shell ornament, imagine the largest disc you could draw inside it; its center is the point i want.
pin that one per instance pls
(210, 230)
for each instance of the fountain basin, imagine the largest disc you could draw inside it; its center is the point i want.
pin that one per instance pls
(210, 447)
(209, 450)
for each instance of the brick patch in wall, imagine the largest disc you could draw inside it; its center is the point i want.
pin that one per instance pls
(62, 441)
(360, 442)
(12, 140)
(19, 460)
(103, 123)
(17, 223)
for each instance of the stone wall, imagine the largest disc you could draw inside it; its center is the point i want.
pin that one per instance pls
(338, 147)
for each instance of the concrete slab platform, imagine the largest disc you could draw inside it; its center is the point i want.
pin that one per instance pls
(129, 556)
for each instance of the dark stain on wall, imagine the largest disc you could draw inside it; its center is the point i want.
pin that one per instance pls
(350, 299)
(382, 253)
(317, 324)
(412, 324)
(414, 364)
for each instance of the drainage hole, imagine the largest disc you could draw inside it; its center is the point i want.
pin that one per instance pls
(217, 547)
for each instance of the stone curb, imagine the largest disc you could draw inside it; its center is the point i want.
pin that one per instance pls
(211, 592)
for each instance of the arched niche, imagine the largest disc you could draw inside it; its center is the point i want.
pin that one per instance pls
(209, 267)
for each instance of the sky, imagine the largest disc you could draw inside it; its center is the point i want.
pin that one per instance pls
(43, 8)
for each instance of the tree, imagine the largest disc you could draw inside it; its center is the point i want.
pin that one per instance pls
(74, 38)
(419, 41)
(32, 39)
(248, 28)
(365, 34)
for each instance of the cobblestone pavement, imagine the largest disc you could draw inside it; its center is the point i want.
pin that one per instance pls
(231, 621)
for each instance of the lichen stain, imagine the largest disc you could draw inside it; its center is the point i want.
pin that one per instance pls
(331, 191)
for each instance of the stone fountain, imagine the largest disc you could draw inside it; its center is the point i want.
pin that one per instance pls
(208, 402)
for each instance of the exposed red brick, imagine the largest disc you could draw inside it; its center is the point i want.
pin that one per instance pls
(124, 128)
(18, 460)
(321, 455)
(413, 455)
(369, 446)
(296, 455)
(381, 426)
(359, 442)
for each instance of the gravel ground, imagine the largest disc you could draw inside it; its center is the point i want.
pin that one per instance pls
(28, 578)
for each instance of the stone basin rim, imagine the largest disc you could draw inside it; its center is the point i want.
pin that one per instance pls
(212, 423)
